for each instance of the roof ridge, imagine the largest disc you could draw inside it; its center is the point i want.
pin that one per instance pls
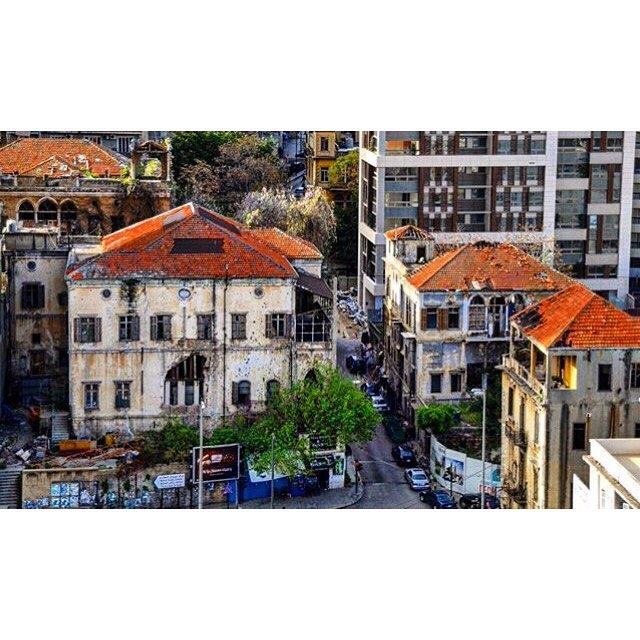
(449, 255)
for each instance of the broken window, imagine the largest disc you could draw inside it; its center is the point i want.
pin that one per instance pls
(278, 325)
(477, 320)
(123, 395)
(241, 393)
(579, 435)
(87, 329)
(38, 364)
(91, 396)
(273, 388)
(428, 318)
(604, 377)
(182, 381)
(205, 326)
(26, 212)
(453, 318)
(161, 327)
(48, 212)
(189, 392)
(238, 326)
(436, 383)
(456, 382)
(32, 295)
(68, 214)
(129, 330)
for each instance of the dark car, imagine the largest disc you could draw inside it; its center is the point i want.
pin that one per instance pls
(438, 499)
(355, 364)
(403, 456)
(370, 388)
(472, 501)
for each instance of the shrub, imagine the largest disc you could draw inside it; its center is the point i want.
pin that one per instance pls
(437, 418)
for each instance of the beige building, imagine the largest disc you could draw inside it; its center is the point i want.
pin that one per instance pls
(572, 374)
(190, 306)
(447, 315)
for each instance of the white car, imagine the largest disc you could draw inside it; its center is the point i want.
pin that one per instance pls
(379, 403)
(417, 479)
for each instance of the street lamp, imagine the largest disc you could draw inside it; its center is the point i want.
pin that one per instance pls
(200, 455)
(484, 435)
(273, 463)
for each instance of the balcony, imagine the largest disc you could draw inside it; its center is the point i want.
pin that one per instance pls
(472, 179)
(515, 433)
(523, 375)
(476, 204)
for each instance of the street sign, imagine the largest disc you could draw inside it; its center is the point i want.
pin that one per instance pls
(170, 481)
(221, 462)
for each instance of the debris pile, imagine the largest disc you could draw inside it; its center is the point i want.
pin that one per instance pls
(348, 304)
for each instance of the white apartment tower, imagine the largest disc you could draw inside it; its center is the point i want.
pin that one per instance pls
(570, 191)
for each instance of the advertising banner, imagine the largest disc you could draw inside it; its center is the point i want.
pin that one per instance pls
(221, 462)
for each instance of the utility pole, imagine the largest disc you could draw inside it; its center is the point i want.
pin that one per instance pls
(273, 463)
(484, 436)
(200, 452)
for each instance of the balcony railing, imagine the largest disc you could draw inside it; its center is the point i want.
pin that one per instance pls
(511, 364)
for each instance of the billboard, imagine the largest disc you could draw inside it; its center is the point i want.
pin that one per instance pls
(220, 462)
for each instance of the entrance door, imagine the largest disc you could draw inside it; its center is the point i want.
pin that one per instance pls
(323, 478)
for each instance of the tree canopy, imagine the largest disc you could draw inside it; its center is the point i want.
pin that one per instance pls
(343, 173)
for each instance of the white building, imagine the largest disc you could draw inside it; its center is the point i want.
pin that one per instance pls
(577, 189)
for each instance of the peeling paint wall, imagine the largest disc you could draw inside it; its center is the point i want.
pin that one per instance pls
(145, 362)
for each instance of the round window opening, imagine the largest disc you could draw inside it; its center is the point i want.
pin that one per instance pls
(258, 292)
(184, 294)
(106, 293)
(31, 265)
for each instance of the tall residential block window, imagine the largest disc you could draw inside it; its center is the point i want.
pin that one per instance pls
(123, 395)
(205, 326)
(604, 377)
(277, 325)
(579, 436)
(32, 295)
(91, 396)
(87, 330)
(634, 381)
(161, 327)
(129, 328)
(238, 326)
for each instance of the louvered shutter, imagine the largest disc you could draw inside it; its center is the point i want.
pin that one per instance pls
(234, 393)
(40, 301)
(98, 329)
(154, 327)
(287, 325)
(442, 318)
(423, 319)
(268, 326)
(135, 328)
(76, 329)
(167, 327)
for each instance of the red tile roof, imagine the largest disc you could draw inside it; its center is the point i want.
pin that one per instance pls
(57, 157)
(288, 246)
(483, 265)
(186, 242)
(579, 318)
(408, 232)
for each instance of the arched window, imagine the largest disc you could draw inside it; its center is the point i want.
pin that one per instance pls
(497, 316)
(68, 211)
(477, 314)
(47, 211)
(273, 388)
(26, 211)
(242, 393)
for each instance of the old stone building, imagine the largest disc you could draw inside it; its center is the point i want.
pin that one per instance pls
(572, 375)
(80, 187)
(447, 315)
(190, 307)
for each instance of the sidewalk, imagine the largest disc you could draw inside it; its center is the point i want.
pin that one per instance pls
(330, 499)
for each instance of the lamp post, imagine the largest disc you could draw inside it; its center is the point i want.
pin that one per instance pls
(200, 452)
(484, 435)
(273, 463)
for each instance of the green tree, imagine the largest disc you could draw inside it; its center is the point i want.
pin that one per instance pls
(343, 173)
(438, 418)
(172, 443)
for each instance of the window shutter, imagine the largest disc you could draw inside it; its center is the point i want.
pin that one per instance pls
(24, 301)
(268, 328)
(423, 319)
(287, 330)
(135, 328)
(98, 329)
(154, 327)
(234, 393)
(167, 327)
(248, 388)
(442, 318)
(76, 329)
(40, 304)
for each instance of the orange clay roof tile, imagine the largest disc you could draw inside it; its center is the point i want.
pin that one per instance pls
(188, 242)
(483, 265)
(579, 318)
(40, 156)
(408, 232)
(290, 247)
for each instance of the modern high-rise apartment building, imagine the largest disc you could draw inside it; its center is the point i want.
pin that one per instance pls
(574, 193)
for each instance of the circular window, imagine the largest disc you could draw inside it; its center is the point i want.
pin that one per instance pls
(184, 294)
(106, 293)
(258, 292)
(31, 265)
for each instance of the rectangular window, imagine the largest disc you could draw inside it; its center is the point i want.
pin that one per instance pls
(453, 318)
(436, 383)
(238, 326)
(173, 392)
(277, 325)
(189, 392)
(428, 318)
(456, 382)
(123, 395)
(579, 436)
(91, 396)
(637, 430)
(324, 174)
(604, 377)
(510, 402)
(129, 329)
(32, 295)
(634, 383)
(324, 143)
(161, 327)
(205, 326)
(87, 330)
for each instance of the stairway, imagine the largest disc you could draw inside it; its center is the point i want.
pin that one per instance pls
(59, 427)
(10, 488)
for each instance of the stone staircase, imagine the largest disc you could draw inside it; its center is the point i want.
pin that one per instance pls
(10, 488)
(59, 427)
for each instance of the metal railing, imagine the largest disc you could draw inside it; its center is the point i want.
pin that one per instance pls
(511, 364)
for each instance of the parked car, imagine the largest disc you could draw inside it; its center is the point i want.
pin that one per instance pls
(380, 404)
(298, 192)
(472, 501)
(355, 364)
(416, 478)
(438, 499)
(370, 388)
(394, 428)
(403, 456)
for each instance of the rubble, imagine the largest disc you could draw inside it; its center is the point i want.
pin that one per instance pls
(348, 304)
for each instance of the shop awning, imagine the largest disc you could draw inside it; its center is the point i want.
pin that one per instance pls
(313, 284)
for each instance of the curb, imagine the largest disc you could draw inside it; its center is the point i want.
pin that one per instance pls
(357, 499)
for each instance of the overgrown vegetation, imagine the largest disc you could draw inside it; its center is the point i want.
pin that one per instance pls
(437, 418)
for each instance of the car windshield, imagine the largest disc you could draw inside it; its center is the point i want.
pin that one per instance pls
(405, 454)
(419, 476)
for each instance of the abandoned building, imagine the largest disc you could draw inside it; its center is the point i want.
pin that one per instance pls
(572, 375)
(447, 315)
(191, 307)
(80, 187)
